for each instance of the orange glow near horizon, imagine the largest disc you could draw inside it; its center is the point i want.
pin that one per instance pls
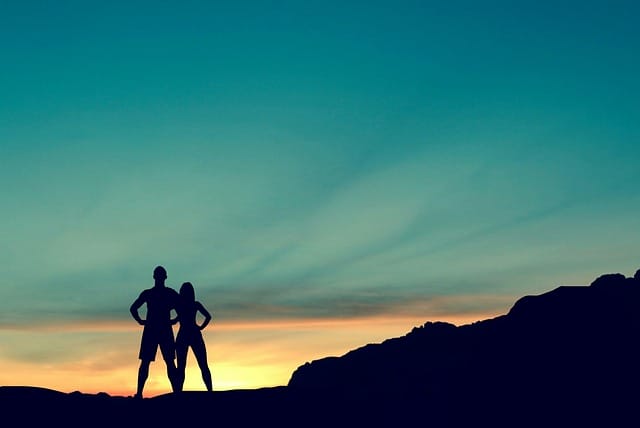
(102, 357)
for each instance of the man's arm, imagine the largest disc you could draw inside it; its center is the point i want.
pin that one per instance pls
(175, 306)
(205, 312)
(175, 320)
(141, 300)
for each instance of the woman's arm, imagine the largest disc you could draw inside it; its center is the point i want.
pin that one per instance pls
(205, 312)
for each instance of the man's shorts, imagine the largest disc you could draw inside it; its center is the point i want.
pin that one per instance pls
(152, 337)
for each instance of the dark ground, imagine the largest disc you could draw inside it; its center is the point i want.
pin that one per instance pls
(284, 407)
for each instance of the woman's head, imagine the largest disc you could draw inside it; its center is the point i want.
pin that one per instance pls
(187, 292)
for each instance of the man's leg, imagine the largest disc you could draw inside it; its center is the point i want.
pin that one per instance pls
(143, 374)
(168, 350)
(172, 374)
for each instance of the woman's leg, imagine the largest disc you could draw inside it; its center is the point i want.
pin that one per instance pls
(181, 357)
(200, 352)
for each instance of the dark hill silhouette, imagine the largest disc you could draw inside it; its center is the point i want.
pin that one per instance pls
(572, 352)
(569, 357)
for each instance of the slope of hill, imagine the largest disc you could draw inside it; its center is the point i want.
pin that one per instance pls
(573, 351)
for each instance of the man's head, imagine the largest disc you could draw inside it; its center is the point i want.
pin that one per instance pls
(159, 273)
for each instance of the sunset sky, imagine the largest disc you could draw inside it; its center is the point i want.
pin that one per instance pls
(327, 174)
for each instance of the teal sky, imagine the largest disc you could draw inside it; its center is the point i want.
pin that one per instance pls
(314, 159)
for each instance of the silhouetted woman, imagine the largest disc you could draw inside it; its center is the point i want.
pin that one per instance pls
(190, 335)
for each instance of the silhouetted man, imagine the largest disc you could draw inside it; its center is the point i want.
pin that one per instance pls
(158, 331)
